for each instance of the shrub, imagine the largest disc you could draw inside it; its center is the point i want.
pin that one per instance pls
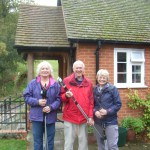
(138, 103)
(134, 123)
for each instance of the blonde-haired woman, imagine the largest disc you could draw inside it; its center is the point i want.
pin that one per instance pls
(106, 105)
(42, 94)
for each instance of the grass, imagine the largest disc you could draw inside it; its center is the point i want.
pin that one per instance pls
(13, 144)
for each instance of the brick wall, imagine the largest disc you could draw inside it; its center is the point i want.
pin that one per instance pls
(86, 53)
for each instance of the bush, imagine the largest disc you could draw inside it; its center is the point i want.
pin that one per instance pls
(138, 103)
(90, 129)
(134, 123)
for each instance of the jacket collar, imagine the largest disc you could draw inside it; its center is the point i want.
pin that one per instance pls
(52, 81)
(74, 82)
(104, 89)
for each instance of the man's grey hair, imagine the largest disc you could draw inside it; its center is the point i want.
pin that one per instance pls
(78, 62)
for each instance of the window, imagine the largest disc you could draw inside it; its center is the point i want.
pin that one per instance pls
(129, 67)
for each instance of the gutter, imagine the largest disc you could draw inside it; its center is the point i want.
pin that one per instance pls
(110, 41)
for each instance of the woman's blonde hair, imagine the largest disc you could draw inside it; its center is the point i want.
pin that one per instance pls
(44, 63)
(103, 72)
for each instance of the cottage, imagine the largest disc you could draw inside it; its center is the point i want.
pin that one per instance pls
(112, 34)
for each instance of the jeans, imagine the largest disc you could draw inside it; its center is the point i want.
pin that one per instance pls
(38, 131)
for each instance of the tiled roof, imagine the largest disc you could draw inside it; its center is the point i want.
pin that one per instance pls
(112, 20)
(41, 26)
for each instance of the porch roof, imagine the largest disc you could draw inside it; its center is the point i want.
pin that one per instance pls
(41, 26)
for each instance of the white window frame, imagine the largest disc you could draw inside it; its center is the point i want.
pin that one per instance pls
(130, 62)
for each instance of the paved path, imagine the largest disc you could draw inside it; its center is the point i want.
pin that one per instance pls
(59, 139)
(59, 142)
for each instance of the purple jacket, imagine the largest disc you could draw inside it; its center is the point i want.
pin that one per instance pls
(32, 94)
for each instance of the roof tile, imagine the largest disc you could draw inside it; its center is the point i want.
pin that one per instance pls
(41, 26)
(116, 20)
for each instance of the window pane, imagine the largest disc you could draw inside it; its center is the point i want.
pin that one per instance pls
(121, 78)
(121, 67)
(136, 78)
(137, 56)
(136, 74)
(136, 68)
(121, 57)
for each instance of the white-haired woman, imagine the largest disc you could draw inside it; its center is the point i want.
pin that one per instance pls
(42, 94)
(106, 105)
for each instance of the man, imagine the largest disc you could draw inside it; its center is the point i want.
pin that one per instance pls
(74, 121)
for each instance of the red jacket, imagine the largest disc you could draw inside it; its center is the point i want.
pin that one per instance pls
(83, 94)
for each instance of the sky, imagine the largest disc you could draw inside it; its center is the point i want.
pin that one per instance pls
(46, 2)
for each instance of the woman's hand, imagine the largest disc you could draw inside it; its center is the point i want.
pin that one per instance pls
(103, 112)
(42, 102)
(98, 114)
(46, 109)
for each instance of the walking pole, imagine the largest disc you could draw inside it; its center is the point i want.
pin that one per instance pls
(76, 103)
(46, 142)
(105, 138)
(43, 93)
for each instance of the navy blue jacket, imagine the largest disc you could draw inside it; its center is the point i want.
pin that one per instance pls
(32, 94)
(109, 99)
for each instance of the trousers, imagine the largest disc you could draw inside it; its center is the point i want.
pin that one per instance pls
(71, 131)
(111, 133)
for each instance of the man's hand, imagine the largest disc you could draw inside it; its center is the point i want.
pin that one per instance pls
(69, 94)
(90, 122)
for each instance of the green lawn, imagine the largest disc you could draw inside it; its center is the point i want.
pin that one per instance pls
(12, 144)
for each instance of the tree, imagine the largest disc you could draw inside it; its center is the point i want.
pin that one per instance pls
(7, 6)
(9, 57)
